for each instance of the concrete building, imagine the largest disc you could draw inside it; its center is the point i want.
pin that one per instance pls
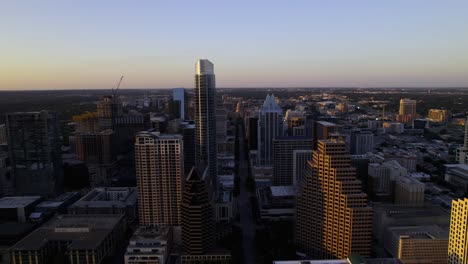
(393, 127)
(108, 109)
(458, 237)
(277, 203)
(293, 120)
(252, 132)
(283, 166)
(462, 152)
(74, 239)
(417, 244)
(18, 208)
(221, 125)
(98, 151)
(457, 176)
(160, 177)
(439, 115)
(300, 159)
(35, 150)
(205, 118)
(107, 200)
(382, 178)
(409, 191)
(7, 180)
(362, 141)
(180, 95)
(149, 245)
(333, 218)
(3, 134)
(270, 126)
(323, 130)
(407, 112)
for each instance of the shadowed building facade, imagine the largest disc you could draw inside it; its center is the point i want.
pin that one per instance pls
(333, 218)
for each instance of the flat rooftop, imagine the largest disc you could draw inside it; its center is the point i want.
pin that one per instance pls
(420, 232)
(281, 191)
(83, 231)
(110, 196)
(17, 201)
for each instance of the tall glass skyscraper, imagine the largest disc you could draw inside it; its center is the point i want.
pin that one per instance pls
(205, 116)
(270, 126)
(179, 95)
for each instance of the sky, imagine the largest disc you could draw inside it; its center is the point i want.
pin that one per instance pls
(87, 44)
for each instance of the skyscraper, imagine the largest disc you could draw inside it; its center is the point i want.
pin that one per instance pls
(197, 216)
(300, 160)
(35, 151)
(462, 152)
(180, 95)
(458, 237)
(283, 148)
(270, 126)
(205, 116)
(407, 111)
(361, 141)
(333, 218)
(160, 173)
(323, 130)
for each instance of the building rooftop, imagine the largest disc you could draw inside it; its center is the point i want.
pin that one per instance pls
(326, 123)
(281, 191)
(18, 201)
(82, 231)
(108, 197)
(420, 232)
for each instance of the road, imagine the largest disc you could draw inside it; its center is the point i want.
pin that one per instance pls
(247, 223)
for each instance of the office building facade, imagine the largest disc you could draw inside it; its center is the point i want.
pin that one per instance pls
(458, 236)
(270, 126)
(283, 159)
(333, 218)
(35, 152)
(160, 174)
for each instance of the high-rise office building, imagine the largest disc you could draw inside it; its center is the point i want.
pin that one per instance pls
(283, 148)
(362, 141)
(407, 112)
(109, 108)
(187, 130)
(300, 159)
(294, 119)
(323, 130)
(197, 215)
(252, 132)
(35, 151)
(458, 236)
(333, 218)
(7, 184)
(462, 152)
(180, 95)
(270, 126)
(221, 125)
(205, 117)
(160, 173)
(3, 134)
(439, 115)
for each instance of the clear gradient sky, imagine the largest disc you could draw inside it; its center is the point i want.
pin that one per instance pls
(66, 44)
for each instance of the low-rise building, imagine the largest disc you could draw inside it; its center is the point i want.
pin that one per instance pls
(409, 191)
(457, 176)
(18, 208)
(71, 239)
(417, 244)
(277, 203)
(108, 200)
(149, 245)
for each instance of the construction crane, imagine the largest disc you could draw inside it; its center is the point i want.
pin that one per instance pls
(114, 90)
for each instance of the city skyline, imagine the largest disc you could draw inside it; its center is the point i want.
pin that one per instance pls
(59, 45)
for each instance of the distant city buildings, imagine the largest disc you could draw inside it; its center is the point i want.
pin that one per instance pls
(3, 134)
(270, 126)
(439, 115)
(7, 179)
(458, 238)
(457, 176)
(407, 112)
(34, 143)
(362, 141)
(205, 117)
(160, 175)
(332, 222)
(323, 130)
(409, 191)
